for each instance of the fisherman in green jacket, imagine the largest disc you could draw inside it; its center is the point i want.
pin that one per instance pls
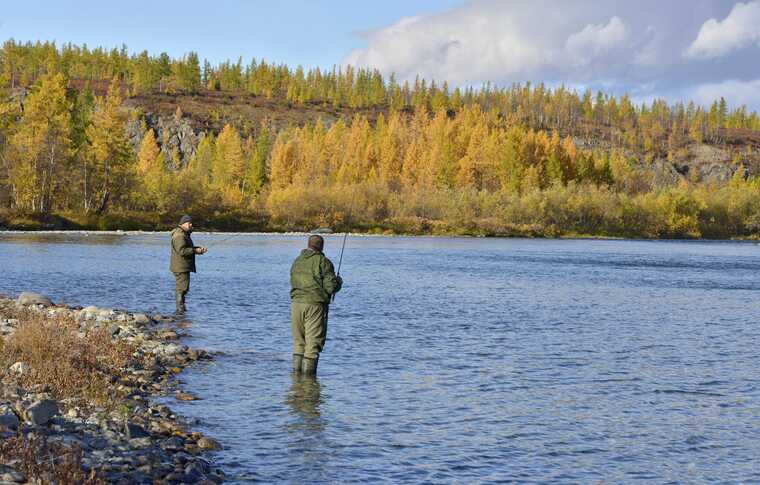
(183, 259)
(313, 283)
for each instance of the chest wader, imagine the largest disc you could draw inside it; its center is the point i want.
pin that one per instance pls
(182, 281)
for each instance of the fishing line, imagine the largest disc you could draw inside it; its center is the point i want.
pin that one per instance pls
(215, 243)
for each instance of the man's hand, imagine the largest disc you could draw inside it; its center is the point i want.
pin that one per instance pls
(340, 280)
(201, 250)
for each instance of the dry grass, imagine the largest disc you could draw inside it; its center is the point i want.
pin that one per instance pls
(45, 462)
(71, 365)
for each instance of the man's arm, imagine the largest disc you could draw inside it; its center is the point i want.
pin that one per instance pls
(331, 282)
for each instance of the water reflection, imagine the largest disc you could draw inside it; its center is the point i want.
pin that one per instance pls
(305, 399)
(33, 238)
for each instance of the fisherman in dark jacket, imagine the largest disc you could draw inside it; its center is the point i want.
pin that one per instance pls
(313, 283)
(183, 259)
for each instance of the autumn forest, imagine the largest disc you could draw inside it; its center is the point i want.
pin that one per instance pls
(79, 149)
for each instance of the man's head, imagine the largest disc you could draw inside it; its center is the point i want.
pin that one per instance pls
(316, 243)
(186, 223)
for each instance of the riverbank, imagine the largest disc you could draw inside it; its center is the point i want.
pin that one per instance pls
(77, 391)
(249, 224)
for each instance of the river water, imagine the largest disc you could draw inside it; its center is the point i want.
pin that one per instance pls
(453, 360)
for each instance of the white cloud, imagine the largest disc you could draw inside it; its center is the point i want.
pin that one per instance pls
(739, 29)
(595, 40)
(737, 92)
(615, 45)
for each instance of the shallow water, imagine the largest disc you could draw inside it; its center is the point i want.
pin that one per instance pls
(453, 360)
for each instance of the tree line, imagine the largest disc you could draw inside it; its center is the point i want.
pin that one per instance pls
(660, 128)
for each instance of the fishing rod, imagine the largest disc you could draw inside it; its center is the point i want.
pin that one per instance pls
(345, 235)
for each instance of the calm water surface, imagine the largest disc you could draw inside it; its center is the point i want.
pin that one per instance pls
(453, 360)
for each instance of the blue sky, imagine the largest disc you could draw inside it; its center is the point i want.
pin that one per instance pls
(676, 49)
(307, 32)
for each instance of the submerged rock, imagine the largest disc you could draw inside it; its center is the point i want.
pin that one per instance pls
(28, 298)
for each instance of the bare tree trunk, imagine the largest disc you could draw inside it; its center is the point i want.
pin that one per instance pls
(86, 200)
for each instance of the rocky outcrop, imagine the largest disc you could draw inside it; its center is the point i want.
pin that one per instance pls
(175, 135)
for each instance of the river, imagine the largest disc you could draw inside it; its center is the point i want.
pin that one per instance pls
(452, 360)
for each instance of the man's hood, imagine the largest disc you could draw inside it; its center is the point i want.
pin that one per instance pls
(308, 253)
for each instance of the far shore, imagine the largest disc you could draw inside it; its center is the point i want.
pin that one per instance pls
(88, 232)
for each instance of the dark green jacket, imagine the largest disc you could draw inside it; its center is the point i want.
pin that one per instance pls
(312, 278)
(183, 252)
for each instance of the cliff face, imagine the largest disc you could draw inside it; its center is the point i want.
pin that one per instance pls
(699, 162)
(176, 137)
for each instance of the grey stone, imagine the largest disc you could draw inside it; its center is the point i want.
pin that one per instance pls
(139, 443)
(8, 474)
(173, 444)
(135, 431)
(209, 444)
(142, 319)
(20, 368)
(171, 349)
(8, 418)
(194, 473)
(29, 298)
(41, 412)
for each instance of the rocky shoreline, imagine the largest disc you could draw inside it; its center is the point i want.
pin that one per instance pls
(128, 438)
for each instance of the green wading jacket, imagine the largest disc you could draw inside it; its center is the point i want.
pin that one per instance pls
(183, 252)
(312, 278)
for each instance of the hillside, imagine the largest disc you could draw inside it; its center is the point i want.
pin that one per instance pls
(209, 111)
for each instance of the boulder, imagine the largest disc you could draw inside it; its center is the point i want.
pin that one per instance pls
(28, 298)
(41, 412)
